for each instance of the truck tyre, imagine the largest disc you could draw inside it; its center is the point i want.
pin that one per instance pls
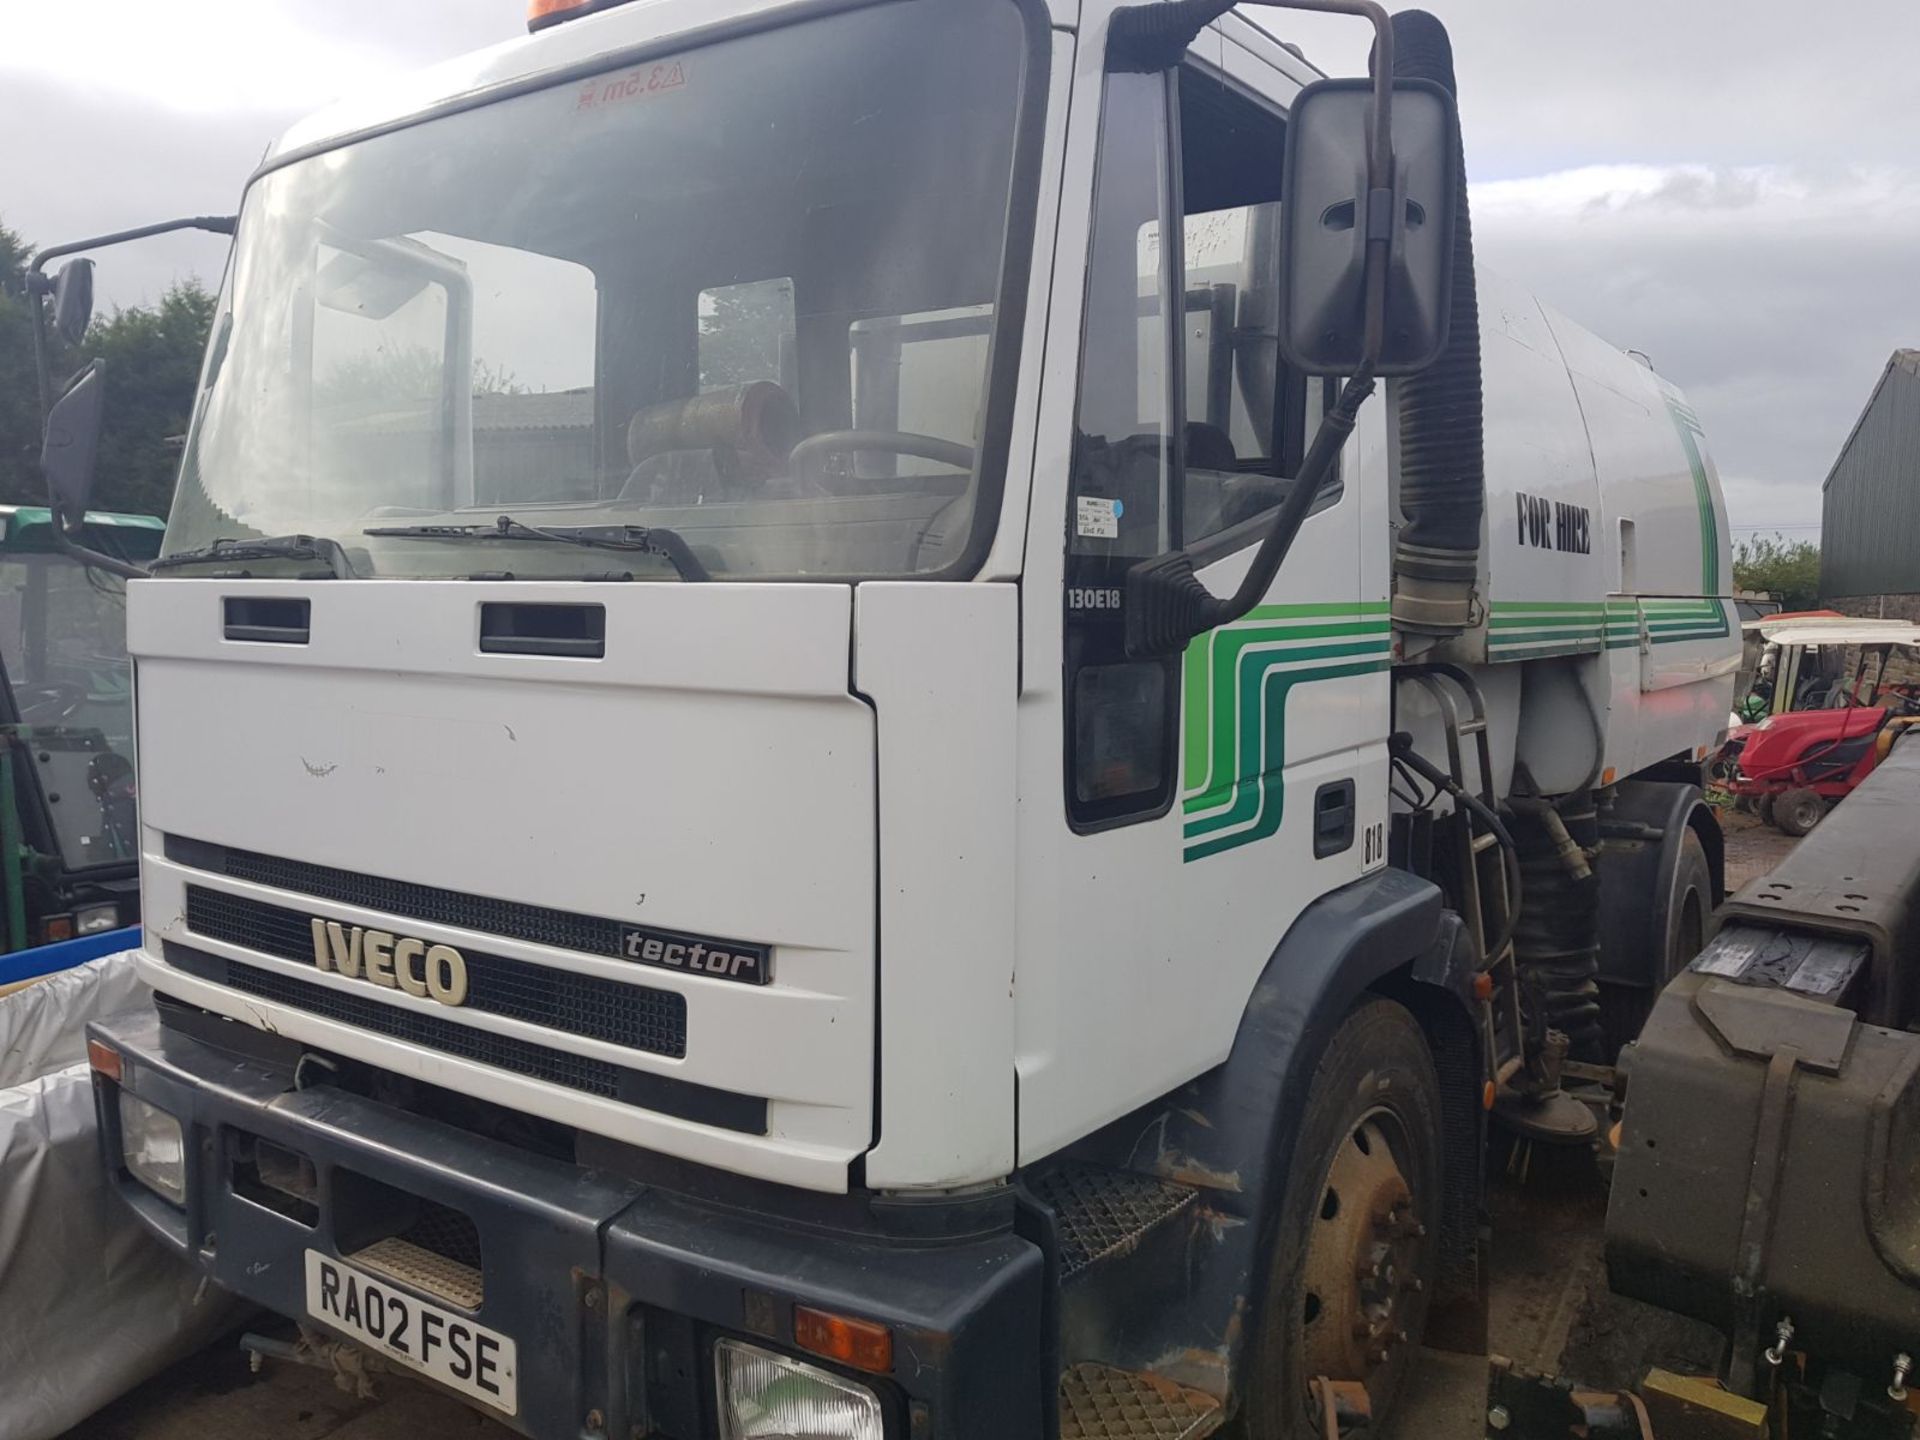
(1354, 1248)
(1624, 1008)
(1798, 811)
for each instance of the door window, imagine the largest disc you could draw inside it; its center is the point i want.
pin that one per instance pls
(1178, 446)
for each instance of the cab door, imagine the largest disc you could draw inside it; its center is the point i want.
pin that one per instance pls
(1178, 812)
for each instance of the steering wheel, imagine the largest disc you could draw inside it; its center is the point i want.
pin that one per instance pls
(810, 454)
(50, 701)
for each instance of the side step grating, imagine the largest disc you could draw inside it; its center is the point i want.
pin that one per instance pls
(415, 1265)
(1099, 1403)
(1103, 1213)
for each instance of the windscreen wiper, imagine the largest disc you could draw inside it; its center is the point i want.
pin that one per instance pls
(669, 545)
(269, 547)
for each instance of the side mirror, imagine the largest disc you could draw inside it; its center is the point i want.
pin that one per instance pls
(73, 300)
(72, 443)
(1328, 216)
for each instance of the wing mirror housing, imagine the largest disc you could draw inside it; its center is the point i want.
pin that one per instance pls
(1333, 214)
(72, 445)
(68, 453)
(1369, 197)
(73, 300)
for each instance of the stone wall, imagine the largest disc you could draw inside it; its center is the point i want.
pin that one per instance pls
(1903, 666)
(1877, 607)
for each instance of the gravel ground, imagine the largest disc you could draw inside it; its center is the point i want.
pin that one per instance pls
(1753, 847)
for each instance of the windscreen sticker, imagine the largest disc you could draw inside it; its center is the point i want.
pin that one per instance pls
(645, 83)
(1095, 517)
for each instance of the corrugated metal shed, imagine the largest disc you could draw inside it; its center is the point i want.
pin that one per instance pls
(1870, 505)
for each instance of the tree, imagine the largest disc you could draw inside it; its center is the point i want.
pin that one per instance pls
(152, 359)
(19, 397)
(1788, 570)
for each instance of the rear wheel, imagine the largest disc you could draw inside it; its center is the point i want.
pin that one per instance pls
(1624, 1008)
(1798, 811)
(1354, 1248)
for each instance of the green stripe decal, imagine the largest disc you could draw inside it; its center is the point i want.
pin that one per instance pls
(1687, 424)
(1536, 629)
(1236, 682)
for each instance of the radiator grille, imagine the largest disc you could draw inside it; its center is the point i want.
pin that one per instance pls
(534, 924)
(619, 1012)
(542, 1062)
(703, 1104)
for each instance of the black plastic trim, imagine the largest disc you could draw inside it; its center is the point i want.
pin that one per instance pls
(613, 1287)
(484, 914)
(267, 619)
(682, 1099)
(1334, 816)
(617, 1012)
(510, 627)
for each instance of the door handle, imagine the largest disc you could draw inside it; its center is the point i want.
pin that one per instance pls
(1334, 809)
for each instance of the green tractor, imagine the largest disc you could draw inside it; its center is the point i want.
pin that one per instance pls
(69, 832)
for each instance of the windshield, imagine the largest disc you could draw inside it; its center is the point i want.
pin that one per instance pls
(745, 292)
(63, 637)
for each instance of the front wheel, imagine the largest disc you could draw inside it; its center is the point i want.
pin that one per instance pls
(1798, 811)
(1355, 1240)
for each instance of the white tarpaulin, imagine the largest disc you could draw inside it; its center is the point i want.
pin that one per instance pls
(91, 1303)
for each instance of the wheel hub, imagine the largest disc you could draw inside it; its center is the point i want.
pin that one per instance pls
(1362, 1270)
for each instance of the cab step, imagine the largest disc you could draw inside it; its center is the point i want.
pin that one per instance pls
(1101, 1214)
(1098, 1402)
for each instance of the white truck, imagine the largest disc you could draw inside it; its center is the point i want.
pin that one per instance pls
(766, 812)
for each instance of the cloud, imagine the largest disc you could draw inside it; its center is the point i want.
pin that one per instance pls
(218, 55)
(123, 112)
(1771, 294)
(1728, 185)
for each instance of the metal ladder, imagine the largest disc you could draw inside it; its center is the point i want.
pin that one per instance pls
(1487, 899)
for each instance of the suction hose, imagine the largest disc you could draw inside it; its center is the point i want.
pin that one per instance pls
(1436, 561)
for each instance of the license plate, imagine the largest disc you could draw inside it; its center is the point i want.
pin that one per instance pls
(461, 1355)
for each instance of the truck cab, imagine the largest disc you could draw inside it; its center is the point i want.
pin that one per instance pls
(668, 856)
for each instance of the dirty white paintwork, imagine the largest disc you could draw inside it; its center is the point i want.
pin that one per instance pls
(872, 782)
(939, 663)
(711, 775)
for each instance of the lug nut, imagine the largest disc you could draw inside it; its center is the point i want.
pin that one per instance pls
(1902, 1367)
(1498, 1419)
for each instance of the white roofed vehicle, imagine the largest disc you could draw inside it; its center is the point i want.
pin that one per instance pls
(813, 827)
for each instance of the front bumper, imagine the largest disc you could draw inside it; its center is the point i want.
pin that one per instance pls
(613, 1291)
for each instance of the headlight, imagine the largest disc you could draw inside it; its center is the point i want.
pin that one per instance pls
(96, 919)
(764, 1396)
(153, 1148)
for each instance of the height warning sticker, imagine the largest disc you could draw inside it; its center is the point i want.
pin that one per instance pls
(645, 83)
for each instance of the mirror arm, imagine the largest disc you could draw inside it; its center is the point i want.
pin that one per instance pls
(39, 286)
(1167, 605)
(97, 560)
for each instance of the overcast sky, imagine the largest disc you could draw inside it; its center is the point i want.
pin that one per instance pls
(1731, 186)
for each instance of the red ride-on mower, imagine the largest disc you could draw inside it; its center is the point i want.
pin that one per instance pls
(1796, 764)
